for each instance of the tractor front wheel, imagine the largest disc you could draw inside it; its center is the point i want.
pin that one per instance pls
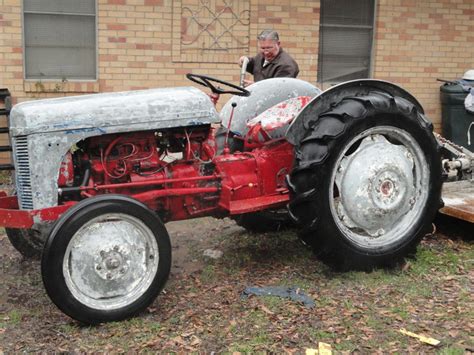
(106, 259)
(367, 182)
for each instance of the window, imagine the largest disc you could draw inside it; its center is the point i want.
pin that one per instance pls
(60, 39)
(346, 36)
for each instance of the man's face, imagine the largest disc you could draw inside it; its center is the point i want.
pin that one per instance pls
(269, 48)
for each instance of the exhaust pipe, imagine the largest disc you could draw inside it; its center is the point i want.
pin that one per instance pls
(243, 71)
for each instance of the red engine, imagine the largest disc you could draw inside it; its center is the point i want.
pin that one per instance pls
(178, 172)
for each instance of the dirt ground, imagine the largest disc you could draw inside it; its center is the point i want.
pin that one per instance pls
(202, 308)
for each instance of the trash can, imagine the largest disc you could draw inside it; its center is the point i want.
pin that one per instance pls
(456, 120)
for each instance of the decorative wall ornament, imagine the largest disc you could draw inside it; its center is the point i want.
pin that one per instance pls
(210, 30)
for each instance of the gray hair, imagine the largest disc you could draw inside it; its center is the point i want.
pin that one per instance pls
(268, 34)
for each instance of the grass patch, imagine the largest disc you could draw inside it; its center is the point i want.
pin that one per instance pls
(248, 345)
(208, 274)
(452, 351)
(6, 177)
(12, 318)
(203, 311)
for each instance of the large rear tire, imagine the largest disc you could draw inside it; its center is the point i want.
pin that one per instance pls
(367, 182)
(106, 259)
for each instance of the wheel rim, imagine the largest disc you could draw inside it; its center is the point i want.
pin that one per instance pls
(111, 261)
(379, 187)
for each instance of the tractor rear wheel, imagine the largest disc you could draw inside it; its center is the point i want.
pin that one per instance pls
(106, 259)
(28, 242)
(367, 182)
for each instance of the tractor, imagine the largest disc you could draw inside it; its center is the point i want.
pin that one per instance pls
(356, 169)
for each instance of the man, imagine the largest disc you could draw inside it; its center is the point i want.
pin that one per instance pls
(271, 61)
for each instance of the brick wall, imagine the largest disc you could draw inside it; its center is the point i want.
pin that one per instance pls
(135, 46)
(138, 45)
(419, 41)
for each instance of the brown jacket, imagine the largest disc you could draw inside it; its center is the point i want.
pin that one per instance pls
(282, 66)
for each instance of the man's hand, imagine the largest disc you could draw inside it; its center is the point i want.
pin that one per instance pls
(248, 82)
(241, 60)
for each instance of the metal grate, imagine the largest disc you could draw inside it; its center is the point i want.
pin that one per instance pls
(215, 26)
(23, 179)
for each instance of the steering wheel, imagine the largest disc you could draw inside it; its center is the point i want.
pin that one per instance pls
(211, 84)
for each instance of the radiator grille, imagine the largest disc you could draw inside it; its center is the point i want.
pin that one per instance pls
(22, 170)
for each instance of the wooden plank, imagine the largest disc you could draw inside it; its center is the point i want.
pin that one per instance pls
(5, 158)
(458, 198)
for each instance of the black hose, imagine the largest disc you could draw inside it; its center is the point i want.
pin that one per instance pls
(85, 181)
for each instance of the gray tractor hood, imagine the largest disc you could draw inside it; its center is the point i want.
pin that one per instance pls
(43, 131)
(114, 112)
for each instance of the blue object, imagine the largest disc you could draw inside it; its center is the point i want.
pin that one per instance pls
(292, 293)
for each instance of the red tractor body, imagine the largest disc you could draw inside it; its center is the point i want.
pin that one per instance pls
(198, 183)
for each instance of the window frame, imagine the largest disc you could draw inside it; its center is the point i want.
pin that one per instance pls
(371, 70)
(96, 23)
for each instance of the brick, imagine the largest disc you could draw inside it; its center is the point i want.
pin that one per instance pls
(274, 20)
(143, 46)
(153, 2)
(107, 58)
(117, 39)
(116, 27)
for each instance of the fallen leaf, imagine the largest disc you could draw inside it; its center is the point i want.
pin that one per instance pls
(421, 338)
(195, 341)
(266, 310)
(187, 334)
(178, 340)
(453, 333)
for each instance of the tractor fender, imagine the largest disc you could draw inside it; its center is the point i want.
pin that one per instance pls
(323, 102)
(264, 94)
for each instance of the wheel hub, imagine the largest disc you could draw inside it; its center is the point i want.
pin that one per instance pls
(112, 263)
(386, 188)
(376, 186)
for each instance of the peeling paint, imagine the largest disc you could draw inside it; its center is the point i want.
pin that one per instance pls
(377, 185)
(130, 108)
(98, 130)
(51, 127)
(264, 94)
